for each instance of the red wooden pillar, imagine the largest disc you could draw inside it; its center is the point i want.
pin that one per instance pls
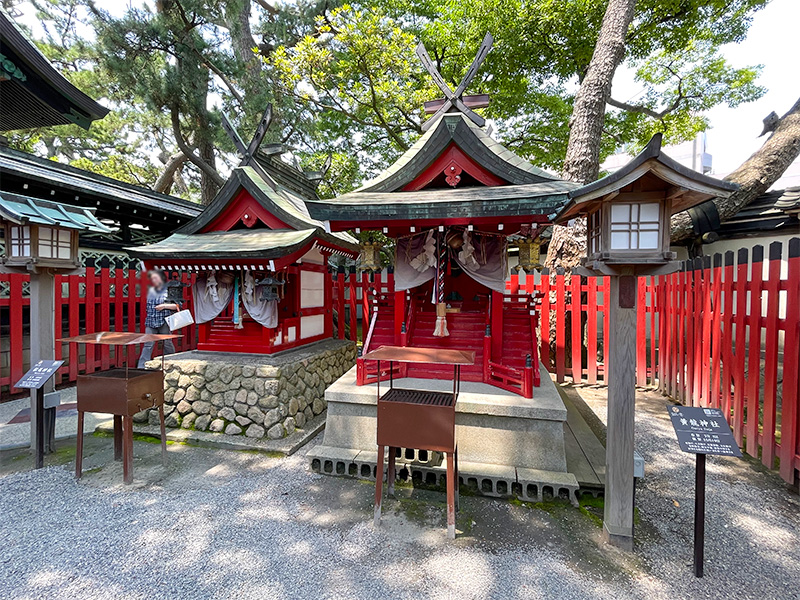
(545, 323)
(641, 332)
(561, 310)
(771, 355)
(15, 354)
(716, 334)
(105, 313)
(576, 329)
(740, 345)
(754, 351)
(91, 317)
(119, 305)
(591, 330)
(353, 298)
(727, 335)
(340, 321)
(791, 368)
(497, 326)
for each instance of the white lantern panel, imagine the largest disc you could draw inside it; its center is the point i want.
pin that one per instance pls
(620, 240)
(649, 212)
(20, 241)
(648, 240)
(620, 213)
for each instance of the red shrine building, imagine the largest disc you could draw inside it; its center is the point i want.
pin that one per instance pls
(261, 261)
(451, 203)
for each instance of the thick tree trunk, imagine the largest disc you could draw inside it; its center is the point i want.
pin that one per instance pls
(756, 175)
(582, 162)
(168, 177)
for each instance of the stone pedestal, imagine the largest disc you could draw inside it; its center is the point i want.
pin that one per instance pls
(507, 444)
(255, 395)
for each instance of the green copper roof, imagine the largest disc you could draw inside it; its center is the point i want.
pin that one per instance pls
(257, 243)
(23, 210)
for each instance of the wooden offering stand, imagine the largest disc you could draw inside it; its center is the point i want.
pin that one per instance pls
(122, 392)
(420, 419)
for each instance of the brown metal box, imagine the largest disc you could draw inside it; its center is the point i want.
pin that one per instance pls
(120, 392)
(417, 419)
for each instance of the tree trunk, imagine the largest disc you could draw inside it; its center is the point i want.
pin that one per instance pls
(174, 164)
(582, 162)
(756, 175)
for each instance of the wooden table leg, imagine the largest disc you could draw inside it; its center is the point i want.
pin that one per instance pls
(390, 474)
(457, 485)
(451, 509)
(117, 437)
(378, 486)
(79, 447)
(127, 450)
(163, 435)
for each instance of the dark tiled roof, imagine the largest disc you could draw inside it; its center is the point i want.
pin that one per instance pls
(544, 198)
(32, 93)
(458, 129)
(33, 169)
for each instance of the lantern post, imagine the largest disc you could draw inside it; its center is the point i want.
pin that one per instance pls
(628, 228)
(41, 239)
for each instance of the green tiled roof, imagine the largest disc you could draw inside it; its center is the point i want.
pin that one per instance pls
(257, 243)
(23, 210)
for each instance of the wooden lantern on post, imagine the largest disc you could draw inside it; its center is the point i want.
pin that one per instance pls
(41, 239)
(371, 256)
(628, 228)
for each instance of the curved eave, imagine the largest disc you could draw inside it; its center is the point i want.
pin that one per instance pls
(40, 77)
(473, 141)
(690, 187)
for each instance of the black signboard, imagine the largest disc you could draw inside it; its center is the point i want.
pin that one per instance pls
(39, 374)
(703, 431)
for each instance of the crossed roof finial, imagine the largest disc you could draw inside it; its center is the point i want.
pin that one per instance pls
(456, 99)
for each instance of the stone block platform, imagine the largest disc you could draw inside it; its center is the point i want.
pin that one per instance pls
(507, 444)
(253, 395)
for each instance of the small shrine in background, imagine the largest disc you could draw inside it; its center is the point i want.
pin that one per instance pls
(260, 259)
(260, 294)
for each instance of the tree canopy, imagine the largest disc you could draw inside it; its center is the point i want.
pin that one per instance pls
(344, 79)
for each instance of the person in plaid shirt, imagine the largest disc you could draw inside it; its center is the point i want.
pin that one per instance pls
(158, 309)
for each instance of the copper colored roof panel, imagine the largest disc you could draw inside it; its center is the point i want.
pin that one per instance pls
(431, 356)
(118, 338)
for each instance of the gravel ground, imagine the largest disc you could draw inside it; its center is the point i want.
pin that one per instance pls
(217, 524)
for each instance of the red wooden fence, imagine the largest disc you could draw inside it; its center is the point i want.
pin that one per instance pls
(104, 299)
(716, 333)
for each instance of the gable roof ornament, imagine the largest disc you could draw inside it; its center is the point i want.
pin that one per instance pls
(455, 101)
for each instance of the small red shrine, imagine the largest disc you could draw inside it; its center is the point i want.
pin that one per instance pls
(451, 203)
(261, 260)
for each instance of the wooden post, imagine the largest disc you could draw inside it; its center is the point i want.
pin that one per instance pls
(621, 377)
(42, 348)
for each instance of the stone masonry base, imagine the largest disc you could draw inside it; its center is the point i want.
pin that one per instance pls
(254, 395)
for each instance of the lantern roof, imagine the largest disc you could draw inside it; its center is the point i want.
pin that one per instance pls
(24, 210)
(650, 172)
(32, 92)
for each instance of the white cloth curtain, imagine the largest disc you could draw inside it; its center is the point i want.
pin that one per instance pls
(263, 312)
(407, 277)
(487, 263)
(208, 304)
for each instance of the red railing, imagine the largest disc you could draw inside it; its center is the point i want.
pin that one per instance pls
(102, 299)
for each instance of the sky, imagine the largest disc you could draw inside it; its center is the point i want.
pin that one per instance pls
(772, 41)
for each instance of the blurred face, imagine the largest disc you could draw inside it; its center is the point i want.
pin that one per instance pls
(155, 279)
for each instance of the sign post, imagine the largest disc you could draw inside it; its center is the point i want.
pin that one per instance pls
(702, 431)
(35, 380)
